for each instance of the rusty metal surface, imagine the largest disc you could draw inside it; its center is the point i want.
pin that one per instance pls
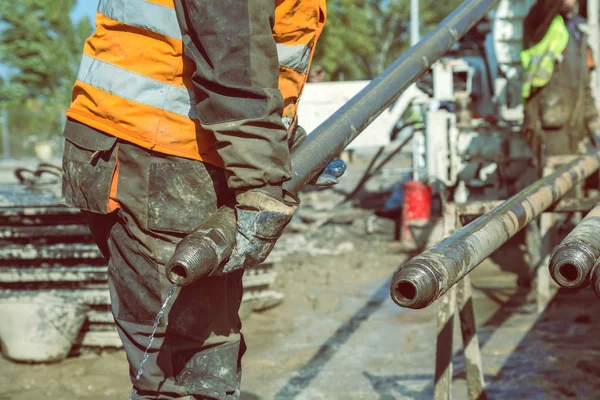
(427, 276)
(574, 257)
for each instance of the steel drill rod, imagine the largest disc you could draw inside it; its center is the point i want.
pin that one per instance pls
(426, 277)
(197, 256)
(595, 278)
(573, 259)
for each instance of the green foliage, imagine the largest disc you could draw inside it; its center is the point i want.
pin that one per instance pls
(41, 48)
(362, 37)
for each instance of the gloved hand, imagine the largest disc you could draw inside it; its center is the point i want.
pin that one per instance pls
(261, 218)
(330, 174)
(261, 215)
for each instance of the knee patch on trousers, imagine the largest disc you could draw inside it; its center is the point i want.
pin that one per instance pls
(213, 372)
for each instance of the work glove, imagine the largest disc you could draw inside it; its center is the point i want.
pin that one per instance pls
(330, 174)
(261, 218)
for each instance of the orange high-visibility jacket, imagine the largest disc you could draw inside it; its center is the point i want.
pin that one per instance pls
(134, 81)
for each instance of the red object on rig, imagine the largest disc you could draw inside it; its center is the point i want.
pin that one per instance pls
(416, 211)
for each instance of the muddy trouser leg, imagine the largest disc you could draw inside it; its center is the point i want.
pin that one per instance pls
(198, 345)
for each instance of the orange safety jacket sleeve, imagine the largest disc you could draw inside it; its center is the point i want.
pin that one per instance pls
(235, 81)
(538, 21)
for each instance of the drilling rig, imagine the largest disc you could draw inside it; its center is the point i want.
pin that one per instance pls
(471, 145)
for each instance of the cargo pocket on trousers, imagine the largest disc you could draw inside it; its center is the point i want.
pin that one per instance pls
(89, 160)
(182, 193)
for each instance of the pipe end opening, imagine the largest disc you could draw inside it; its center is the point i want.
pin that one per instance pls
(177, 274)
(569, 272)
(414, 286)
(406, 291)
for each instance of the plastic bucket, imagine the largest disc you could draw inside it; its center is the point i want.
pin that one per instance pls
(39, 328)
(417, 201)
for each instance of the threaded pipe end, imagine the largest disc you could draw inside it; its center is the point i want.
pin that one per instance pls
(414, 286)
(570, 266)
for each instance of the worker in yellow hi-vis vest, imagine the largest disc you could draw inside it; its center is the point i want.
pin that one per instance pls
(560, 111)
(180, 106)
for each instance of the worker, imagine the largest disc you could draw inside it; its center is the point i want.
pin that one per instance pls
(178, 107)
(560, 111)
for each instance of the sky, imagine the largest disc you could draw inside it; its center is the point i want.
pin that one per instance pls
(84, 8)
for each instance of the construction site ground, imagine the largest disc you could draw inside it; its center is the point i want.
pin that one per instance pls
(338, 335)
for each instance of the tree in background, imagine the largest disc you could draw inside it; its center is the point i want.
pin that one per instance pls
(362, 37)
(40, 47)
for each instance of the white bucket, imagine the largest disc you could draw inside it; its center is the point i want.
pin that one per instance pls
(39, 328)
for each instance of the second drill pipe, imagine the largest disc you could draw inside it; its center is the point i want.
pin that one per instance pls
(426, 277)
(573, 259)
(201, 252)
(595, 278)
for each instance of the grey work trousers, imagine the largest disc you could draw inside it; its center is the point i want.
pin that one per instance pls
(197, 350)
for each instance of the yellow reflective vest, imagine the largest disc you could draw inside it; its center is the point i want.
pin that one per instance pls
(538, 61)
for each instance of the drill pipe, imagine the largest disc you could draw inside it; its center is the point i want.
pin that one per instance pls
(197, 256)
(595, 278)
(426, 277)
(573, 259)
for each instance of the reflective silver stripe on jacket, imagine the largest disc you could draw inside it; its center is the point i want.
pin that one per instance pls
(142, 14)
(135, 87)
(163, 20)
(295, 56)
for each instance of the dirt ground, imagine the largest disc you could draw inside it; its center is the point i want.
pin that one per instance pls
(337, 335)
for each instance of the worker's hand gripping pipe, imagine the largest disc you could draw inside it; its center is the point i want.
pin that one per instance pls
(426, 277)
(199, 254)
(573, 259)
